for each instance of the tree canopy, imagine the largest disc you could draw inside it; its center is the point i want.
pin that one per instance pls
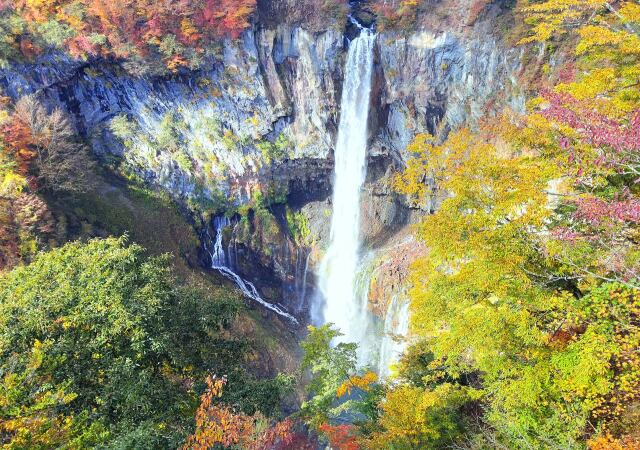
(177, 32)
(100, 346)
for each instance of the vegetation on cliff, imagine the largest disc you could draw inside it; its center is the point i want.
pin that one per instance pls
(178, 33)
(173, 33)
(39, 154)
(408, 16)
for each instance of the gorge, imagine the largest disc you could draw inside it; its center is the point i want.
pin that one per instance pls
(260, 122)
(305, 224)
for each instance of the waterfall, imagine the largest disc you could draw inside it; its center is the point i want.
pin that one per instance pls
(220, 262)
(302, 269)
(338, 269)
(396, 326)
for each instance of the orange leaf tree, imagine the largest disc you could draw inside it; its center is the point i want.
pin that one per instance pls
(223, 425)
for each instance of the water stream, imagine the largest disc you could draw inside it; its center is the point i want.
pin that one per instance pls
(221, 263)
(342, 305)
(300, 277)
(396, 326)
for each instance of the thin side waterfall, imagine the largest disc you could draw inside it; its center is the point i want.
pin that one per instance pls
(219, 262)
(396, 326)
(302, 268)
(338, 269)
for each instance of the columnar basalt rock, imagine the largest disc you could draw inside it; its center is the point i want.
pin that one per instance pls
(433, 83)
(267, 84)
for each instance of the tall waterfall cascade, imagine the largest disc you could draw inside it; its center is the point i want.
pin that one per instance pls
(223, 264)
(343, 305)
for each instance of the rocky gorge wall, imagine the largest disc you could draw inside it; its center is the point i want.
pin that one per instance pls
(260, 120)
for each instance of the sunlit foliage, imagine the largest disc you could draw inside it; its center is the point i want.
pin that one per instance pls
(339, 392)
(222, 425)
(178, 32)
(100, 346)
(528, 299)
(413, 417)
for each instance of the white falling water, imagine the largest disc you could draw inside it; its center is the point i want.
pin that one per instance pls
(220, 263)
(396, 326)
(342, 307)
(302, 269)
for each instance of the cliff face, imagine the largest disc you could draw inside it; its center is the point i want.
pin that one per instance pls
(198, 132)
(263, 116)
(428, 81)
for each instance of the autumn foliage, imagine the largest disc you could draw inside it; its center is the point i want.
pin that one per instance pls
(218, 424)
(362, 382)
(341, 437)
(18, 141)
(527, 304)
(609, 443)
(24, 217)
(397, 14)
(178, 32)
